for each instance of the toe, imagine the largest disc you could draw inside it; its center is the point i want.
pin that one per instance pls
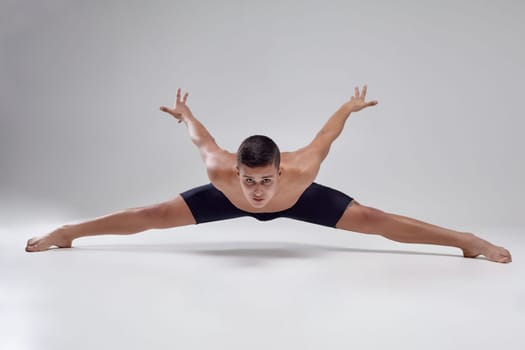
(35, 246)
(32, 241)
(504, 259)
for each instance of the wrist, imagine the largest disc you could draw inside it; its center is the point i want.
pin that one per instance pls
(348, 107)
(187, 117)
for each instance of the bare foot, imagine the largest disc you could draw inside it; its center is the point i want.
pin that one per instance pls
(490, 251)
(56, 238)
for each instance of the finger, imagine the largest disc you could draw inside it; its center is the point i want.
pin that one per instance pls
(177, 101)
(356, 92)
(185, 98)
(363, 95)
(166, 109)
(372, 103)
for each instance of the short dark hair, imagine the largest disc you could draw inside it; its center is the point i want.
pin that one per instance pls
(258, 151)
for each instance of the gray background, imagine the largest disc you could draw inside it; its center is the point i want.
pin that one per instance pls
(81, 83)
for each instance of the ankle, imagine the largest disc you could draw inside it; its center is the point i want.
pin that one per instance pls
(469, 240)
(67, 232)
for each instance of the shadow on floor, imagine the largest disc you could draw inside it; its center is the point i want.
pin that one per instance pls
(245, 249)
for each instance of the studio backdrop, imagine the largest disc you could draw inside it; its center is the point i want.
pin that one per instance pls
(81, 83)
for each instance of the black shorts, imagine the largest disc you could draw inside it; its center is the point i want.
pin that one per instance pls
(318, 204)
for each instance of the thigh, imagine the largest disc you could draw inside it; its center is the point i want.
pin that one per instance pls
(320, 204)
(358, 218)
(172, 213)
(208, 204)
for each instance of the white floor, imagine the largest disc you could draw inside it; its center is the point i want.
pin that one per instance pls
(242, 284)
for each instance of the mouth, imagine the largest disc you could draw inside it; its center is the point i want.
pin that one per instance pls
(258, 199)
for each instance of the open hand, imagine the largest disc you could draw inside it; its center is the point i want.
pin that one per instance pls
(357, 102)
(180, 109)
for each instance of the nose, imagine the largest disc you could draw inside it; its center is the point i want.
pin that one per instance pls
(257, 191)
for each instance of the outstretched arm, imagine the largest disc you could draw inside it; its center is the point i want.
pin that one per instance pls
(333, 127)
(198, 133)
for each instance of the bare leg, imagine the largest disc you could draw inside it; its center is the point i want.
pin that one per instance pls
(168, 214)
(476, 247)
(359, 218)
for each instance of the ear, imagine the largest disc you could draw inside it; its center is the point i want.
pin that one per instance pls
(237, 170)
(280, 170)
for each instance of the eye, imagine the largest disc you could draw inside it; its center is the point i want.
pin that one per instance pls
(249, 180)
(267, 181)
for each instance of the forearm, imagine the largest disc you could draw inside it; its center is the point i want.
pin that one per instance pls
(334, 126)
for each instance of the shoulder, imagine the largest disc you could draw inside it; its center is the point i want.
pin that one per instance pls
(220, 159)
(220, 167)
(303, 163)
(303, 159)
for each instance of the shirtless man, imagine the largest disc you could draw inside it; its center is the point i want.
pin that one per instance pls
(262, 182)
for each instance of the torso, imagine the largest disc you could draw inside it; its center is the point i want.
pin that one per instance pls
(297, 174)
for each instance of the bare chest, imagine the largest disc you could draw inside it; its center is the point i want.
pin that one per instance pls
(287, 195)
(288, 192)
(291, 185)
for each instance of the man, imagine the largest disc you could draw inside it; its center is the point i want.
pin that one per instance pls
(262, 182)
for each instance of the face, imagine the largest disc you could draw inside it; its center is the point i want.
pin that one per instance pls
(258, 184)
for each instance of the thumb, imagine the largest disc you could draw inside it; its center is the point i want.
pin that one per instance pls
(164, 108)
